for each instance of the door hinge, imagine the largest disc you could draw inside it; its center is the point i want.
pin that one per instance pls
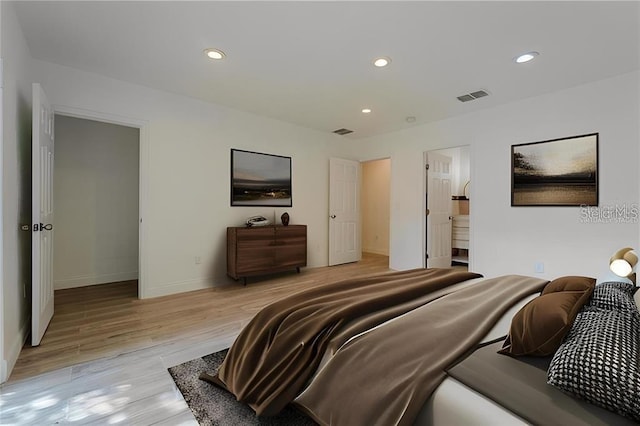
(426, 166)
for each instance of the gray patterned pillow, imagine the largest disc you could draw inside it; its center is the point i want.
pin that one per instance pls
(599, 361)
(614, 296)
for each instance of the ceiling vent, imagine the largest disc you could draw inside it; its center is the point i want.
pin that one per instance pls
(472, 96)
(342, 131)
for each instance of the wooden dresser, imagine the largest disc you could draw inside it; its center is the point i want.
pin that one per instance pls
(262, 250)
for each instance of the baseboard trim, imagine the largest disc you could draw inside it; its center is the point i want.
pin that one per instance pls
(14, 350)
(178, 287)
(82, 281)
(375, 251)
(3, 371)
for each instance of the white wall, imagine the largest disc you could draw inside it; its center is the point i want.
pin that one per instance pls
(507, 239)
(187, 201)
(96, 202)
(375, 192)
(16, 183)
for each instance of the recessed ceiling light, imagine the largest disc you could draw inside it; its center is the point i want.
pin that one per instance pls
(526, 57)
(366, 110)
(214, 54)
(382, 61)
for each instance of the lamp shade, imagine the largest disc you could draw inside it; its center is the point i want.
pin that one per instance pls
(623, 261)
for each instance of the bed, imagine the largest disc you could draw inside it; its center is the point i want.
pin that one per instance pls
(421, 347)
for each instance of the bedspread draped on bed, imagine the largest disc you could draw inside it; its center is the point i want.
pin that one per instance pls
(279, 350)
(385, 376)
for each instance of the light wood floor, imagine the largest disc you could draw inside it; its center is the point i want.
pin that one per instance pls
(108, 320)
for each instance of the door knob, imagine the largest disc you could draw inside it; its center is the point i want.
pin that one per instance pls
(333, 216)
(42, 227)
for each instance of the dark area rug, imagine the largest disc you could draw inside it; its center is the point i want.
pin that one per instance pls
(214, 406)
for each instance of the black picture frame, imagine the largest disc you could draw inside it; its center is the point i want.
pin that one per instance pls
(260, 180)
(557, 172)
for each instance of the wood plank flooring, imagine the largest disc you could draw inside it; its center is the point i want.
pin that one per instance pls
(106, 320)
(105, 356)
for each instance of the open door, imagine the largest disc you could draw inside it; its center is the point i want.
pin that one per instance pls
(344, 211)
(42, 215)
(439, 217)
(3, 362)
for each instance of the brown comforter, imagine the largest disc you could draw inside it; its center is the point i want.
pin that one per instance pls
(279, 350)
(385, 376)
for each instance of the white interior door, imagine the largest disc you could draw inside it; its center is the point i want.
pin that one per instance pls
(42, 215)
(3, 363)
(344, 211)
(439, 217)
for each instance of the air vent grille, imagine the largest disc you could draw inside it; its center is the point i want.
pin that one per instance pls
(465, 98)
(479, 94)
(473, 96)
(342, 131)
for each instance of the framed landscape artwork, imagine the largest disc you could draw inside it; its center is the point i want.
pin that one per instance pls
(260, 179)
(558, 172)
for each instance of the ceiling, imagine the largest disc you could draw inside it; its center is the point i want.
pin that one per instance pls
(310, 63)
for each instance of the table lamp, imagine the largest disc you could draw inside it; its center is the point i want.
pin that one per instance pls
(623, 263)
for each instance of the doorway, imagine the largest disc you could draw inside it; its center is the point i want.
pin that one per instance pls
(96, 196)
(446, 222)
(375, 196)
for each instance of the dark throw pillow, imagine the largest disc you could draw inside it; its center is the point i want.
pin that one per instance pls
(600, 360)
(617, 296)
(540, 326)
(570, 283)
